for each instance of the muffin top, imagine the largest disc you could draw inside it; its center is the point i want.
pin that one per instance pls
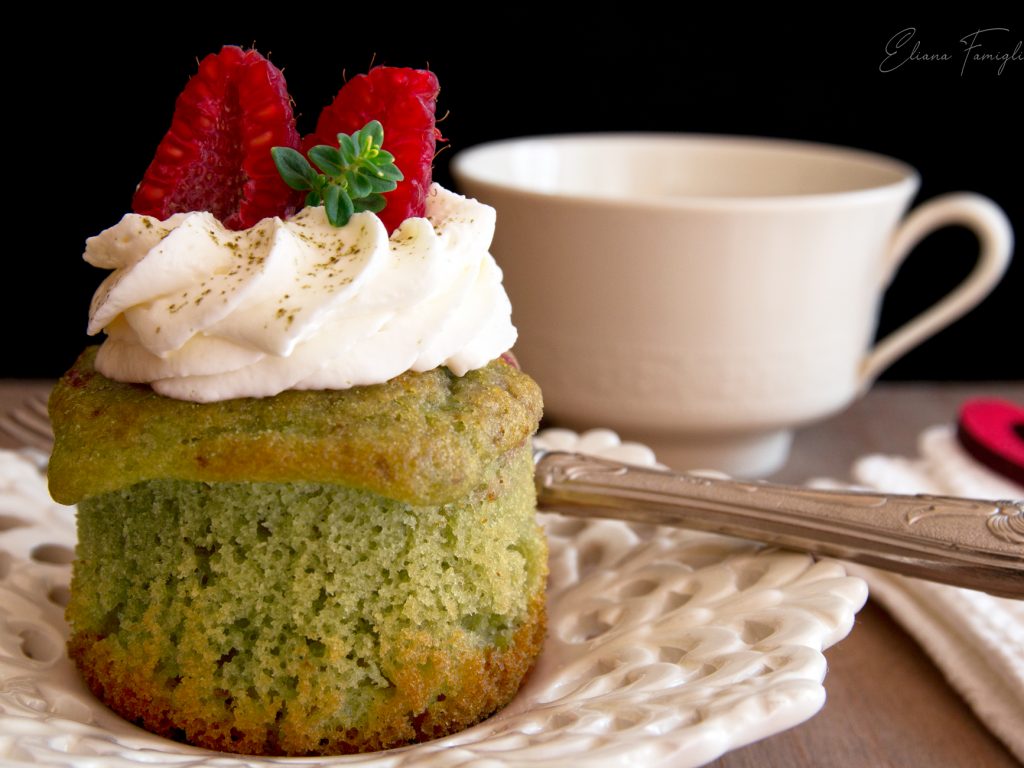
(423, 438)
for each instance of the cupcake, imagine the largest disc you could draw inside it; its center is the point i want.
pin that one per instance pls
(301, 460)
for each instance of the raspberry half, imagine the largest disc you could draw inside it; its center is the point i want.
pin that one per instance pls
(404, 101)
(216, 155)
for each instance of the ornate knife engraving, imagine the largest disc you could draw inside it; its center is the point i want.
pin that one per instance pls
(1004, 519)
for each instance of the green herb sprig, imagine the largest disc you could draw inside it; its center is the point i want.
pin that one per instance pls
(355, 174)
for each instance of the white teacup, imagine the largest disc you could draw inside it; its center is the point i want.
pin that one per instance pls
(708, 294)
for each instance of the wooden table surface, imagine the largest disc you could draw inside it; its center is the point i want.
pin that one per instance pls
(887, 703)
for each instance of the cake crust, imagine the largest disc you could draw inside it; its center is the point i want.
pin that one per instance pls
(488, 679)
(424, 438)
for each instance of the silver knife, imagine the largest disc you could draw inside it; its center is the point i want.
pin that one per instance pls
(964, 542)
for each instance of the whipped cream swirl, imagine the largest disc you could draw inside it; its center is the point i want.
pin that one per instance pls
(204, 313)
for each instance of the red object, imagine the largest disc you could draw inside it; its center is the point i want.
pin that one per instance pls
(404, 101)
(992, 431)
(216, 155)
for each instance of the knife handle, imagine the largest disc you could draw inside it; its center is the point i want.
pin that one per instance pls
(966, 542)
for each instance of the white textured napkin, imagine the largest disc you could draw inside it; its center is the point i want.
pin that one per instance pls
(975, 639)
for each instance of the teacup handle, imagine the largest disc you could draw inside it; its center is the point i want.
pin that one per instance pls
(995, 236)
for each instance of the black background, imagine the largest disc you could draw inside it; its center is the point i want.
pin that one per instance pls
(91, 106)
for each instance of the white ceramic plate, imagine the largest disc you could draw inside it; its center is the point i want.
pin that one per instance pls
(664, 647)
